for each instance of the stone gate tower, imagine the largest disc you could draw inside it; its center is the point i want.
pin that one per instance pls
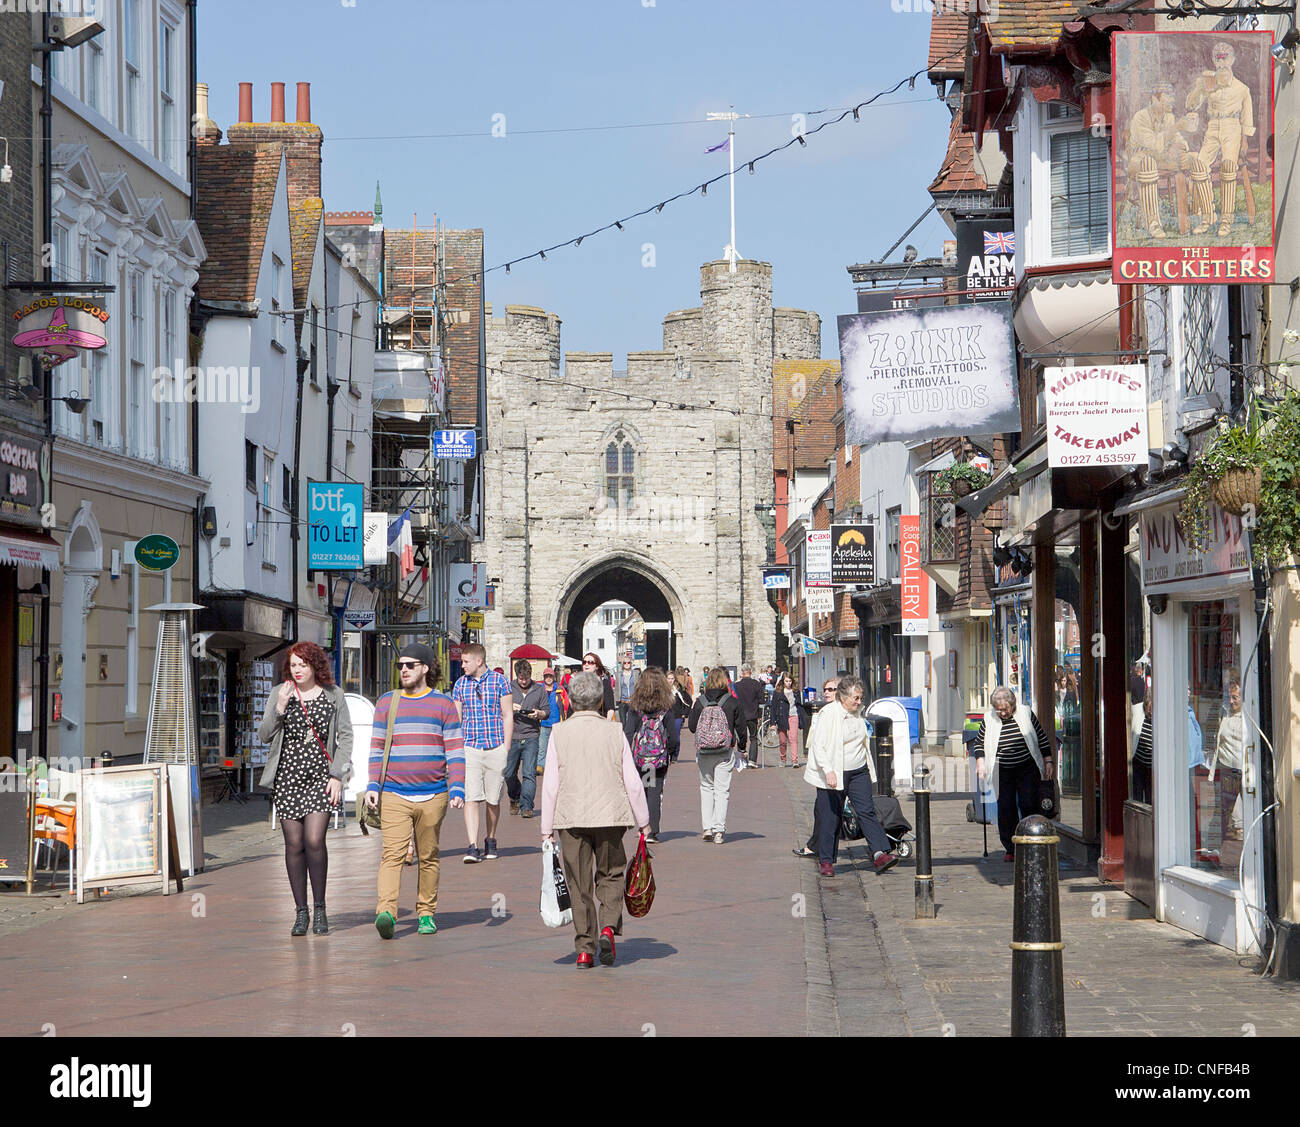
(650, 485)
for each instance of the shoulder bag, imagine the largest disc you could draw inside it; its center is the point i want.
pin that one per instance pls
(307, 716)
(370, 819)
(639, 888)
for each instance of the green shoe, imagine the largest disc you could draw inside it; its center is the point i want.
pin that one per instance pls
(427, 926)
(384, 924)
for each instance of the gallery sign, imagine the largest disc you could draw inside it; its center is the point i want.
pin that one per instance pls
(1192, 192)
(914, 595)
(817, 558)
(1169, 560)
(853, 553)
(59, 328)
(1096, 415)
(334, 526)
(929, 373)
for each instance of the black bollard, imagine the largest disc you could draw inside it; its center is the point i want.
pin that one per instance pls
(885, 763)
(1037, 972)
(924, 871)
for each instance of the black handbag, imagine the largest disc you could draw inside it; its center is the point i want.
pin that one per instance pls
(1049, 799)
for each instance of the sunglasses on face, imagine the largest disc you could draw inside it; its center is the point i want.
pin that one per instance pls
(409, 664)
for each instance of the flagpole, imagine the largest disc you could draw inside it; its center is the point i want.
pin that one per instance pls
(731, 152)
(730, 116)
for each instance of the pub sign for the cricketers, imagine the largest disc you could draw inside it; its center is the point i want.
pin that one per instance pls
(1192, 194)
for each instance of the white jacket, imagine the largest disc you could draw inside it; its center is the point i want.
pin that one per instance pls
(833, 730)
(993, 734)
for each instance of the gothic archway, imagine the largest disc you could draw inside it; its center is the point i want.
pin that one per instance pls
(637, 582)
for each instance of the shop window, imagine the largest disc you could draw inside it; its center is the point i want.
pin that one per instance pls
(250, 465)
(1217, 736)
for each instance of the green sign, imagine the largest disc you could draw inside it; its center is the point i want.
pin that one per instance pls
(157, 552)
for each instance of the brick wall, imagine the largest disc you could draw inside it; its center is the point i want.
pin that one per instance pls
(18, 225)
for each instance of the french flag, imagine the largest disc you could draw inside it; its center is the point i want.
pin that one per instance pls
(402, 543)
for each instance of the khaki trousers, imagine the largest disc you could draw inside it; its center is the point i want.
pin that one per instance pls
(401, 817)
(601, 850)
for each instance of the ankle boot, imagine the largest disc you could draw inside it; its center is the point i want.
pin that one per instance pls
(300, 922)
(321, 924)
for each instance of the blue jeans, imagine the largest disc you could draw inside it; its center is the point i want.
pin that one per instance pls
(522, 751)
(542, 741)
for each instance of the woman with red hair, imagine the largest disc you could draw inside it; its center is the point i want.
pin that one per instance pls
(310, 733)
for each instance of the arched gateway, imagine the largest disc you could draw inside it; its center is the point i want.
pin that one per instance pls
(633, 581)
(649, 485)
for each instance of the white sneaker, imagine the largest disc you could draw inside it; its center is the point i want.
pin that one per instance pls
(717, 839)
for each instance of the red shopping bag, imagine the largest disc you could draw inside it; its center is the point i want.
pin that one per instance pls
(639, 887)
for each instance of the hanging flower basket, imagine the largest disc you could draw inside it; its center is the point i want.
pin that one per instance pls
(961, 487)
(1239, 490)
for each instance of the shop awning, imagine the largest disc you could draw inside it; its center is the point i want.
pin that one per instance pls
(36, 549)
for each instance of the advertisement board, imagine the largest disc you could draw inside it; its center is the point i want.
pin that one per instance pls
(853, 553)
(929, 373)
(1096, 415)
(914, 595)
(453, 444)
(817, 558)
(1192, 191)
(986, 260)
(820, 600)
(466, 585)
(334, 526)
(776, 579)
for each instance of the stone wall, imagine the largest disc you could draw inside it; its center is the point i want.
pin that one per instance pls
(700, 471)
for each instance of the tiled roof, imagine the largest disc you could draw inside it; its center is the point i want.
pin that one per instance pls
(1027, 25)
(814, 438)
(957, 173)
(304, 234)
(949, 33)
(235, 189)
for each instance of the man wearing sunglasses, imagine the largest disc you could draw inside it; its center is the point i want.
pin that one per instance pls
(425, 773)
(486, 706)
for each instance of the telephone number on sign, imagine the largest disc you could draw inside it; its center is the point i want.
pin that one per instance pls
(1098, 458)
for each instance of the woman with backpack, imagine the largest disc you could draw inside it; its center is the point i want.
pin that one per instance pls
(653, 737)
(718, 724)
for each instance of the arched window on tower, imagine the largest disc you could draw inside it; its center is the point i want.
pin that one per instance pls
(620, 471)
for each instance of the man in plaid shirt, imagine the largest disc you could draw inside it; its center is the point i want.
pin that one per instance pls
(486, 705)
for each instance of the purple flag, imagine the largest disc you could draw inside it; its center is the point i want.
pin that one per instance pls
(720, 148)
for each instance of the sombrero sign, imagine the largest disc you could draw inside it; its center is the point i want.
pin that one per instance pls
(60, 328)
(853, 553)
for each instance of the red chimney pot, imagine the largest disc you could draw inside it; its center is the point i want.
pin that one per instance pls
(245, 101)
(277, 101)
(304, 101)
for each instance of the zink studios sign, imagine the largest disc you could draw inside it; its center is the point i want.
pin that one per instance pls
(334, 526)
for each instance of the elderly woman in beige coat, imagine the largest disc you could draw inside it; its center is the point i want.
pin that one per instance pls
(591, 796)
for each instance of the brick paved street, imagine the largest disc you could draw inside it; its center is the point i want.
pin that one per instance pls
(724, 950)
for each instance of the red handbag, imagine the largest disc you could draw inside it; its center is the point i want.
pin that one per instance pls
(639, 886)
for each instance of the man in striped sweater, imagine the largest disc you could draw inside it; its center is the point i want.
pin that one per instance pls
(1014, 754)
(426, 773)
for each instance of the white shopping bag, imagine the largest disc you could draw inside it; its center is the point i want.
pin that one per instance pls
(556, 909)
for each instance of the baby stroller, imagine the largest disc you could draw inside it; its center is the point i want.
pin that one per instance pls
(897, 828)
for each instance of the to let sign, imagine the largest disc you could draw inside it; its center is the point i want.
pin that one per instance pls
(334, 526)
(915, 593)
(453, 444)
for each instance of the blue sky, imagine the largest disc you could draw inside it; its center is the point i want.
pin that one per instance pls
(388, 74)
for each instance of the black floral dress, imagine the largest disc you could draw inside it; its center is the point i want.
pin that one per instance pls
(304, 768)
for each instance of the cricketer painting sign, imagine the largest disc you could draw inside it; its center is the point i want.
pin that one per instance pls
(1193, 178)
(929, 373)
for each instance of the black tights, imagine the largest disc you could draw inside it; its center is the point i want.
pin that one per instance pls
(304, 852)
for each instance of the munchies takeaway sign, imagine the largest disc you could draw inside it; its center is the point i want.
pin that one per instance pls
(1096, 416)
(927, 373)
